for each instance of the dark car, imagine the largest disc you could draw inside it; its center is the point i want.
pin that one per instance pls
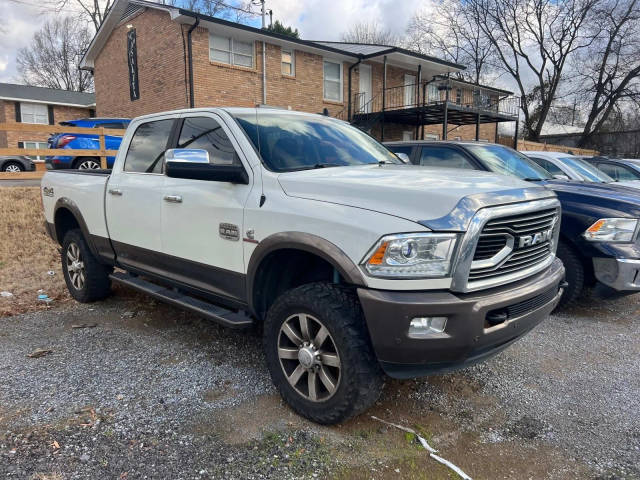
(600, 223)
(84, 141)
(620, 169)
(16, 163)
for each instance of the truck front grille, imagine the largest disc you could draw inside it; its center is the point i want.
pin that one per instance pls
(528, 235)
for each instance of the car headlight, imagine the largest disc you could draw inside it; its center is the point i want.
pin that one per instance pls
(411, 255)
(612, 230)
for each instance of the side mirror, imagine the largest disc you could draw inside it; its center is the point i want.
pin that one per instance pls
(193, 163)
(561, 177)
(404, 157)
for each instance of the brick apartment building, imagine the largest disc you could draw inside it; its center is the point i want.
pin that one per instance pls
(37, 105)
(148, 57)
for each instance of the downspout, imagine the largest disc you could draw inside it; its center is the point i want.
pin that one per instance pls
(190, 55)
(349, 89)
(264, 72)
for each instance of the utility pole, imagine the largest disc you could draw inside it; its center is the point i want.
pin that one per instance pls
(264, 14)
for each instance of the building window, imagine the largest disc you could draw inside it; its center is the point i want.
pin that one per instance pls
(231, 51)
(431, 136)
(408, 135)
(288, 63)
(458, 96)
(37, 145)
(332, 76)
(34, 113)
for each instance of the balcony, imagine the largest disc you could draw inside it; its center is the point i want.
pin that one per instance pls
(445, 101)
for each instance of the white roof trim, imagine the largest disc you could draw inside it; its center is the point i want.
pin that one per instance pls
(29, 100)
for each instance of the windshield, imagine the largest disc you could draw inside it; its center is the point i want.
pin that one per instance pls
(506, 161)
(288, 142)
(587, 171)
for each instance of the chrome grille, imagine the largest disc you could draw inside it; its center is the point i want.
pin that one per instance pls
(494, 237)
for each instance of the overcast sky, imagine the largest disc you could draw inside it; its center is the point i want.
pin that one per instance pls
(316, 20)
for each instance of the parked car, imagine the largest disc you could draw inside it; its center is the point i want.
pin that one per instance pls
(352, 263)
(620, 169)
(16, 163)
(599, 233)
(565, 166)
(69, 141)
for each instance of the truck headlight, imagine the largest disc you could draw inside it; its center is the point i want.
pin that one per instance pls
(411, 255)
(612, 230)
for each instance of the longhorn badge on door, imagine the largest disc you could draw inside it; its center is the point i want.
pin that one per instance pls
(229, 231)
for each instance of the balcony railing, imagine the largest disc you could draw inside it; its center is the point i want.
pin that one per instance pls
(425, 94)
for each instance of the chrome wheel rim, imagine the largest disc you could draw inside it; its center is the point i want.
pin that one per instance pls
(89, 165)
(12, 169)
(75, 266)
(309, 357)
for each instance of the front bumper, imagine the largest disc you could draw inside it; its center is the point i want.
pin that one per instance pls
(468, 337)
(622, 274)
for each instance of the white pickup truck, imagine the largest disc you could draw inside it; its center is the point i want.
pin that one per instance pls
(353, 266)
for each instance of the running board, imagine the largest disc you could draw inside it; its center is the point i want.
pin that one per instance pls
(225, 317)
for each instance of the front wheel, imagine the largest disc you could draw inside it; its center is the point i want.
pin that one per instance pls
(574, 274)
(319, 354)
(86, 278)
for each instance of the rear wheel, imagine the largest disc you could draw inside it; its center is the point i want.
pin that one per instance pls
(86, 278)
(87, 163)
(12, 167)
(319, 354)
(574, 274)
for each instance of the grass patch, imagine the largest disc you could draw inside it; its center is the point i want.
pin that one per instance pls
(26, 253)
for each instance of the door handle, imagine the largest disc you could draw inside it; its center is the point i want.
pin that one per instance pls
(115, 191)
(173, 198)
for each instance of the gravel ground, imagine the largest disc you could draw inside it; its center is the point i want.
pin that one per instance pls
(150, 392)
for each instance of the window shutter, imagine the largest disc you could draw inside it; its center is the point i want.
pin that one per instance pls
(50, 111)
(20, 144)
(18, 114)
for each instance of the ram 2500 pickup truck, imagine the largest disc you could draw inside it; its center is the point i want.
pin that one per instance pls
(353, 264)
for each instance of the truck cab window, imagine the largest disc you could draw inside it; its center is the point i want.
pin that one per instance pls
(206, 134)
(443, 157)
(147, 147)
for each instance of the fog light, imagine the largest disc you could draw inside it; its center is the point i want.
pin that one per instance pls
(421, 327)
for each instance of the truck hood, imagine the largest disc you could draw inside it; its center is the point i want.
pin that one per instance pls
(411, 192)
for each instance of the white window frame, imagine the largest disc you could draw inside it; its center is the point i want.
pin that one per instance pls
(432, 136)
(324, 97)
(36, 144)
(232, 53)
(292, 52)
(32, 117)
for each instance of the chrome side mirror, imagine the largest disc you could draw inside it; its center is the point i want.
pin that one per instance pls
(189, 155)
(561, 177)
(404, 157)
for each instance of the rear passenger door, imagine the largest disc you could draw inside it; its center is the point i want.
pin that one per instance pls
(202, 221)
(134, 197)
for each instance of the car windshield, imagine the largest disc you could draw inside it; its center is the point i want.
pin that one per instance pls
(289, 142)
(587, 171)
(500, 159)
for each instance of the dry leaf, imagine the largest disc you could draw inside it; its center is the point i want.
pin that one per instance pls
(39, 352)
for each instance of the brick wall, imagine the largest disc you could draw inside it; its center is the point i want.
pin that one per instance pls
(161, 68)
(8, 114)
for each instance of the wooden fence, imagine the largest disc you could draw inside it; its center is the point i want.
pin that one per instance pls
(101, 152)
(546, 147)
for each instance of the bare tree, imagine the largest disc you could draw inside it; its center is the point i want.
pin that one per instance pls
(448, 29)
(370, 32)
(609, 69)
(52, 58)
(217, 8)
(532, 40)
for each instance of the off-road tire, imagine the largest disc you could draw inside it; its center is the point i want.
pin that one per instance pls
(574, 274)
(97, 284)
(338, 309)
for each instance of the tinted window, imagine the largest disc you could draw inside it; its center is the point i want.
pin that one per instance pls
(548, 166)
(443, 157)
(289, 142)
(205, 133)
(115, 125)
(147, 147)
(618, 172)
(507, 161)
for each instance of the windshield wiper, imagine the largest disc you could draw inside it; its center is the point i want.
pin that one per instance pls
(533, 179)
(314, 167)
